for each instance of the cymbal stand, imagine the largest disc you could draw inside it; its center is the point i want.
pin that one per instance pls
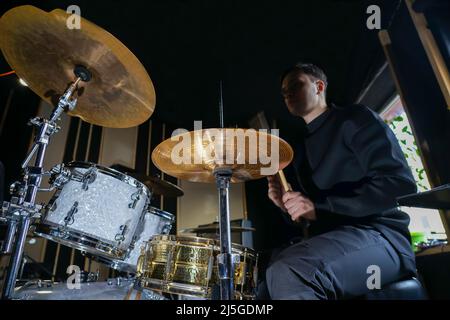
(225, 258)
(22, 209)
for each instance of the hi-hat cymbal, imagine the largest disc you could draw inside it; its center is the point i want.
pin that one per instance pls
(215, 229)
(43, 51)
(159, 186)
(195, 155)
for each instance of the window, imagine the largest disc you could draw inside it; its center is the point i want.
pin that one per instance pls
(422, 220)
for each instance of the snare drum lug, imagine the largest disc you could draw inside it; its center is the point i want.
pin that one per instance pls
(135, 197)
(88, 178)
(121, 236)
(69, 219)
(166, 229)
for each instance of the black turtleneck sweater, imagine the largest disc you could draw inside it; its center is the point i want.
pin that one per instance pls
(349, 163)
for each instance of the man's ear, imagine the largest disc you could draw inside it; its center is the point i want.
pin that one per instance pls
(320, 85)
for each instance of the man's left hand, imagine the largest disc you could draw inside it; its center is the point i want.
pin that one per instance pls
(298, 206)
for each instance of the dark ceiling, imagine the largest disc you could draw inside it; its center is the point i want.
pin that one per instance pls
(188, 46)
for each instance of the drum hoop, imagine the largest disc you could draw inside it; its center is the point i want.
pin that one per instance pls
(184, 289)
(174, 287)
(114, 263)
(81, 241)
(110, 172)
(178, 240)
(161, 213)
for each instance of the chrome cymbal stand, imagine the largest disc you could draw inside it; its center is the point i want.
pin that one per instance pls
(22, 210)
(225, 258)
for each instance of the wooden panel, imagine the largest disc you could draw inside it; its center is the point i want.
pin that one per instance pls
(200, 204)
(118, 146)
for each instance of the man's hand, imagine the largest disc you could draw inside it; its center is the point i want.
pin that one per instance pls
(298, 206)
(276, 192)
(294, 203)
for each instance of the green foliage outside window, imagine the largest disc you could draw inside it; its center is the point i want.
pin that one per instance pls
(402, 129)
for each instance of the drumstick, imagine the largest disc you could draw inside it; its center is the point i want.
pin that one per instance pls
(261, 122)
(284, 183)
(287, 187)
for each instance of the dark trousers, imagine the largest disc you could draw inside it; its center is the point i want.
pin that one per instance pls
(338, 264)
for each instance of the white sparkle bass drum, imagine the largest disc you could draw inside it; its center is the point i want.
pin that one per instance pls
(95, 209)
(113, 289)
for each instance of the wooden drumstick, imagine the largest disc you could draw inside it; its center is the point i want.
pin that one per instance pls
(287, 187)
(261, 123)
(284, 183)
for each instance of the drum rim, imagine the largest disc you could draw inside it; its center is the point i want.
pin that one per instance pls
(114, 263)
(121, 264)
(184, 289)
(81, 241)
(110, 172)
(174, 287)
(161, 213)
(176, 239)
(201, 240)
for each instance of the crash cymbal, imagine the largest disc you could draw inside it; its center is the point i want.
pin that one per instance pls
(43, 51)
(194, 155)
(215, 229)
(158, 186)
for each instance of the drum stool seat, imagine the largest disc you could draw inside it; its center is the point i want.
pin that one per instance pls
(406, 289)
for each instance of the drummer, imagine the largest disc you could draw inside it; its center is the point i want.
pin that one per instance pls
(350, 169)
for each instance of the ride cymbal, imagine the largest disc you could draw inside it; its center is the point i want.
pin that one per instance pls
(194, 156)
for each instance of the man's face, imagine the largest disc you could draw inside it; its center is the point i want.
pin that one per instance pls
(300, 93)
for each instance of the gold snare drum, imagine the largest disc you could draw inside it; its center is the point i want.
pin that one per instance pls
(188, 266)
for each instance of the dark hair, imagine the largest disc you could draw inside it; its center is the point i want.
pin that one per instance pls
(306, 68)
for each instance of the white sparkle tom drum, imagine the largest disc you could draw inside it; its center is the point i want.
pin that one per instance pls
(95, 209)
(154, 222)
